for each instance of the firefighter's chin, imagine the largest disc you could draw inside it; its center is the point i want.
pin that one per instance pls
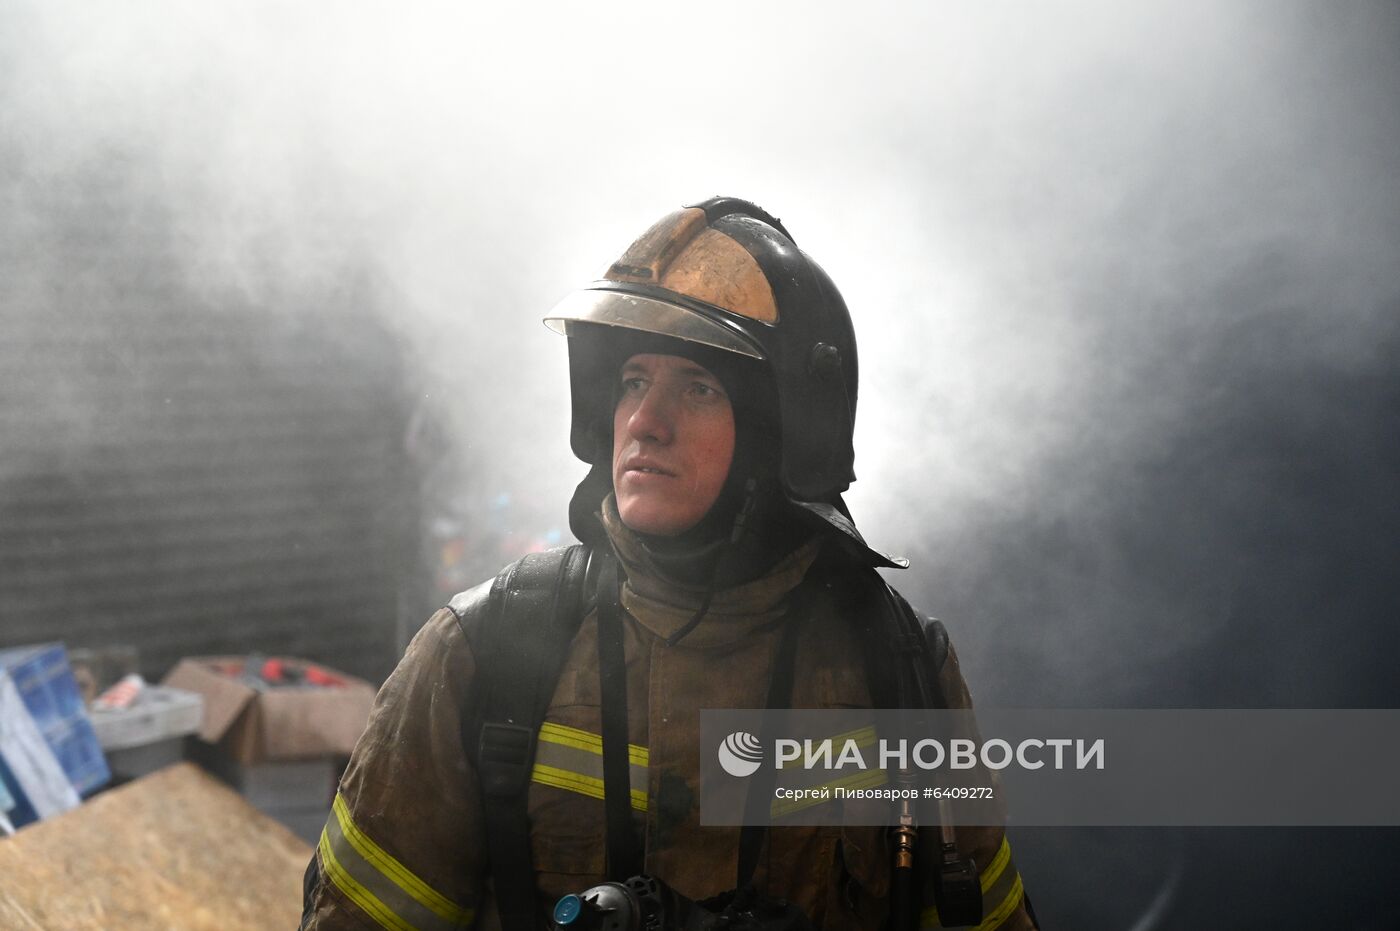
(657, 504)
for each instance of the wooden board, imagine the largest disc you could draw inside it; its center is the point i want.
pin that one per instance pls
(174, 851)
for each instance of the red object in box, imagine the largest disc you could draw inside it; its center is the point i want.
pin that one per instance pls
(253, 725)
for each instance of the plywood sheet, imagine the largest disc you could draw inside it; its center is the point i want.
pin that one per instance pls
(175, 851)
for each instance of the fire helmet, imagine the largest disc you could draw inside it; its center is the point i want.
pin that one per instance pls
(725, 274)
(726, 278)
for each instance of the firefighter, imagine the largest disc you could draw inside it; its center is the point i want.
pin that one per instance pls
(541, 734)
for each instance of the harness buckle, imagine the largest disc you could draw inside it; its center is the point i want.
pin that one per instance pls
(505, 752)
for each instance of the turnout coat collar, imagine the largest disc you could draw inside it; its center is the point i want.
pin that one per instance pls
(734, 614)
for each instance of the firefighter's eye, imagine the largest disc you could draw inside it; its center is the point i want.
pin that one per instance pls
(632, 384)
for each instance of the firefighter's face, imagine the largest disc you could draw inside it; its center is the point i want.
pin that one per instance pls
(673, 441)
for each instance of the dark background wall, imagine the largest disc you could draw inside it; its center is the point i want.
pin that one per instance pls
(190, 470)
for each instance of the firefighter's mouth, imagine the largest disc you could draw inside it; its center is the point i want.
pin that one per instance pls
(648, 468)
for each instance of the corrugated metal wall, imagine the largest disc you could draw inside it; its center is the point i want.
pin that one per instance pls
(188, 469)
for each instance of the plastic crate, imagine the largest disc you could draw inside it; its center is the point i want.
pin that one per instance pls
(159, 713)
(48, 689)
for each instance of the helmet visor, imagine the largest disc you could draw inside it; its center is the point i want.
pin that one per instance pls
(650, 315)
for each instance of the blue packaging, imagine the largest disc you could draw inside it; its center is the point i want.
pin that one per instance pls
(46, 686)
(7, 801)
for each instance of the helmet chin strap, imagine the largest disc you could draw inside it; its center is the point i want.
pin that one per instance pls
(725, 546)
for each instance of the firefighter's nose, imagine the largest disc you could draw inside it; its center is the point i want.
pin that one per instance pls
(653, 419)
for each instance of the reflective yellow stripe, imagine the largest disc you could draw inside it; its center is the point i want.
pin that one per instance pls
(864, 737)
(865, 779)
(993, 871)
(989, 877)
(400, 875)
(572, 759)
(583, 740)
(578, 782)
(379, 885)
(1004, 911)
(357, 893)
(563, 779)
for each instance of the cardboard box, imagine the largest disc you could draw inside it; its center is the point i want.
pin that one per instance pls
(252, 725)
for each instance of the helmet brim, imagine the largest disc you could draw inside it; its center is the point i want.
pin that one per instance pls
(647, 314)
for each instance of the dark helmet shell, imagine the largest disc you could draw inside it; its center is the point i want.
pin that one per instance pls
(726, 275)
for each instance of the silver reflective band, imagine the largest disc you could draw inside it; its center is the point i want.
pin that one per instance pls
(572, 759)
(381, 886)
(637, 312)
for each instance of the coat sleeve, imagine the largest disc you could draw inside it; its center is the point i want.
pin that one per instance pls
(403, 845)
(1004, 904)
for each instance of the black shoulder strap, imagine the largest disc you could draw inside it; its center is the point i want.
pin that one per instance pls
(925, 642)
(956, 889)
(624, 848)
(780, 681)
(904, 655)
(903, 652)
(520, 636)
